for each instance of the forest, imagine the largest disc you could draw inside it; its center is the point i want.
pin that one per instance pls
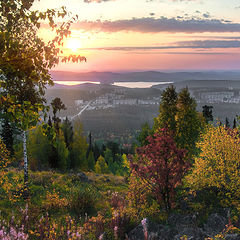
(181, 180)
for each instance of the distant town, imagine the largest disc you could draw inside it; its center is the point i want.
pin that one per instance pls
(230, 96)
(112, 100)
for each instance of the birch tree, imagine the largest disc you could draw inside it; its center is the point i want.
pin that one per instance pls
(25, 60)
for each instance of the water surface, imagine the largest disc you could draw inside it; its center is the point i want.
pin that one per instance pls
(121, 84)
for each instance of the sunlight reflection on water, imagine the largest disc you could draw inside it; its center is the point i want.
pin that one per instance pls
(121, 84)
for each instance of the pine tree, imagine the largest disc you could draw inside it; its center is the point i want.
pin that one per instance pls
(227, 124)
(49, 122)
(79, 148)
(57, 106)
(234, 123)
(188, 122)
(62, 152)
(178, 114)
(39, 148)
(7, 135)
(91, 161)
(167, 110)
(207, 113)
(145, 132)
(90, 147)
(101, 166)
(67, 129)
(108, 156)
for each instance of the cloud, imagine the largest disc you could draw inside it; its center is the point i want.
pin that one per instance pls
(206, 15)
(210, 44)
(204, 44)
(162, 24)
(97, 1)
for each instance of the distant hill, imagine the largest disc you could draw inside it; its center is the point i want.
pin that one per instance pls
(123, 120)
(203, 84)
(85, 86)
(147, 76)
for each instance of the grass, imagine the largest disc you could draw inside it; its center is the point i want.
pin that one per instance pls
(61, 194)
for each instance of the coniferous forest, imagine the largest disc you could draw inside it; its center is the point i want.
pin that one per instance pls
(180, 180)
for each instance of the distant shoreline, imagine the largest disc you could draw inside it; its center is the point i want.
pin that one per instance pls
(137, 84)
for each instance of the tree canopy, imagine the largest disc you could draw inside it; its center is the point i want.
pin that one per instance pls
(218, 163)
(161, 165)
(26, 60)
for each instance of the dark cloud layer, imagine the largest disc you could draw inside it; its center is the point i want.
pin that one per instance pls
(163, 24)
(205, 44)
(210, 44)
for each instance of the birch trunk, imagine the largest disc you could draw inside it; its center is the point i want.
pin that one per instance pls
(25, 157)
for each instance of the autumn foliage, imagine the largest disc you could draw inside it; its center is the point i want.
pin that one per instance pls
(218, 164)
(4, 161)
(161, 165)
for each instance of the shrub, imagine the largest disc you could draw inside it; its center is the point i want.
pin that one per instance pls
(83, 200)
(218, 164)
(101, 166)
(161, 165)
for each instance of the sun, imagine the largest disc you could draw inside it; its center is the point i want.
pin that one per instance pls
(74, 44)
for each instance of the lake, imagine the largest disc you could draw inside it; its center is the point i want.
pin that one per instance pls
(121, 84)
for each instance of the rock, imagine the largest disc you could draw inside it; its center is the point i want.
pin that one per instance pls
(106, 179)
(215, 224)
(179, 226)
(180, 222)
(143, 229)
(83, 177)
(173, 219)
(151, 231)
(232, 237)
(80, 176)
(191, 233)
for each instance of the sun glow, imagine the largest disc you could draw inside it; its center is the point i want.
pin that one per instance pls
(74, 44)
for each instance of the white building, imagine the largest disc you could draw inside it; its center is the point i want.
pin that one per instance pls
(78, 102)
(125, 101)
(217, 96)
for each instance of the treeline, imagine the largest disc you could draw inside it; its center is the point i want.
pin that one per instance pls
(185, 151)
(61, 145)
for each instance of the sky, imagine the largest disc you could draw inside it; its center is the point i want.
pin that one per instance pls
(141, 35)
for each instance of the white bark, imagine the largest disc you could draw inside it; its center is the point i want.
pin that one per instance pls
(25, 157)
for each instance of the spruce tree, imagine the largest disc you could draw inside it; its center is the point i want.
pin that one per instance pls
(227, 124)
(188, 122)
(7, 135)
(178, 114)
(91, 161)
(167, 110)
(234, 123)
(57, 106)
(62, 152)
(144, 133)
(67, 129)
(79, 148)
(207, 113)
(101, 166)
(108, 156)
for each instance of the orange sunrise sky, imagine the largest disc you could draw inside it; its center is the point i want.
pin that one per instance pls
(125, 35)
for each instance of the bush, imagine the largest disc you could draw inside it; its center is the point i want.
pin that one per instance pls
(161, 165)
(218, 165)
(83, 200)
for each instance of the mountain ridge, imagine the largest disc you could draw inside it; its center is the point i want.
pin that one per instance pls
(145, 76)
